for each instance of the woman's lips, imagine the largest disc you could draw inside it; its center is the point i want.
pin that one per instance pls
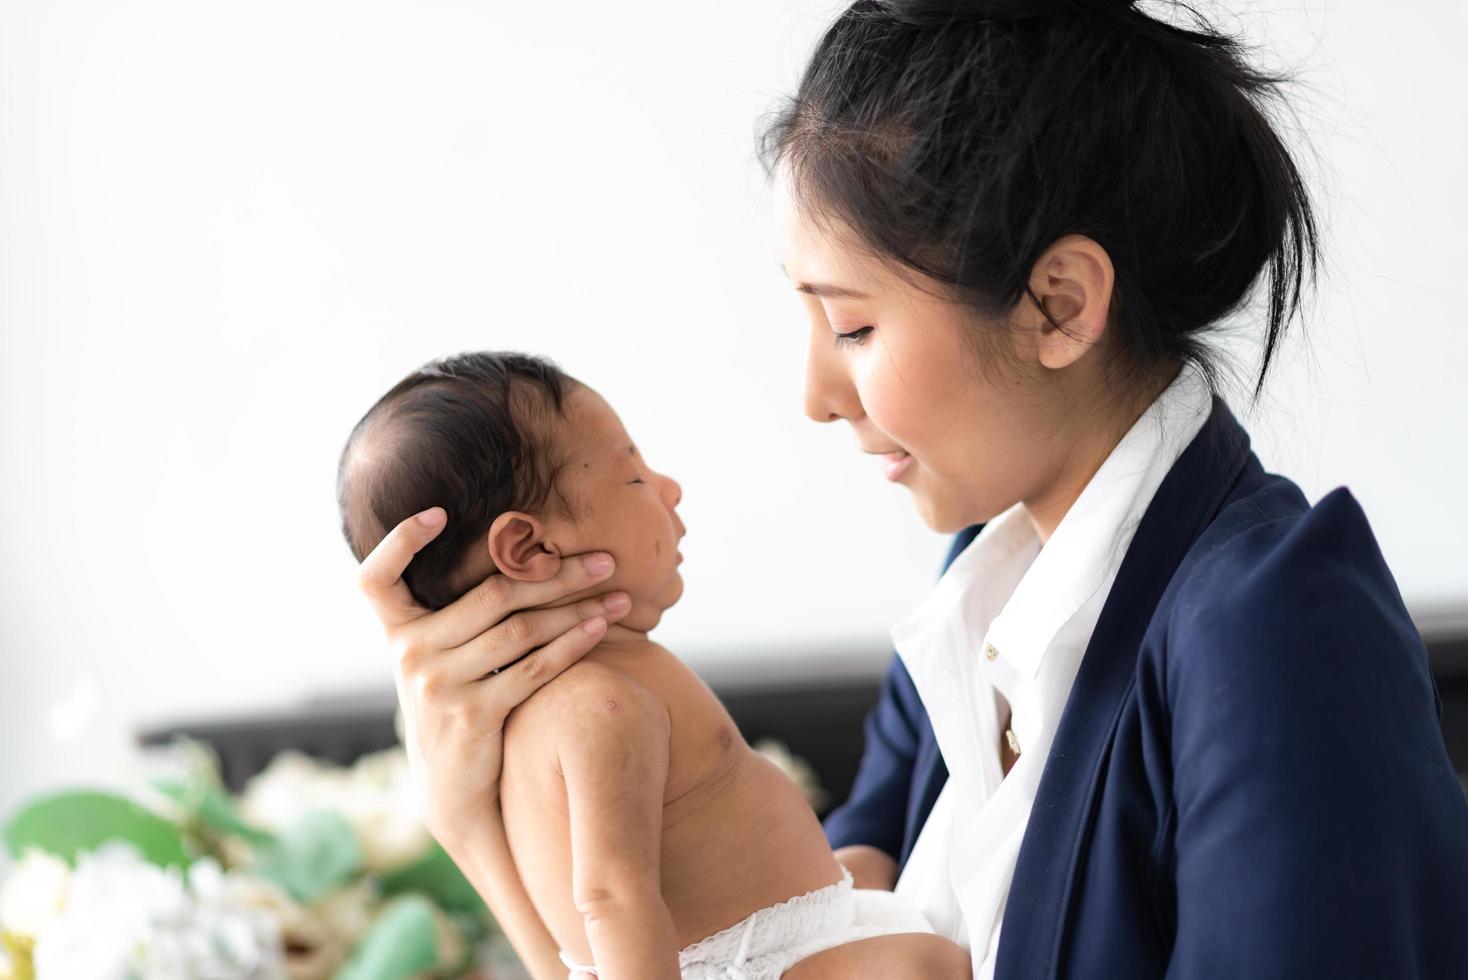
(895, 464)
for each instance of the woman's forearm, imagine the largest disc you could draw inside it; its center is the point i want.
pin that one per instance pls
(869, 867)
(491, 870)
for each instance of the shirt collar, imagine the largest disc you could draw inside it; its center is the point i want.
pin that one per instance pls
(992, 593)
(955, 612)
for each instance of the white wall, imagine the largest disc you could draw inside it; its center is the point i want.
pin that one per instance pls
(226, 227)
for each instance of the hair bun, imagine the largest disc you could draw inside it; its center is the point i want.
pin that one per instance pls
(929, 13)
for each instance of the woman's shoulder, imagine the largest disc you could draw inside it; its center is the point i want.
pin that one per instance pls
(1273, 578)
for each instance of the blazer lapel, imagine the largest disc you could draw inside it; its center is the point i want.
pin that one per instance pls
(929, 770)
(1185, 503)
(931, 773)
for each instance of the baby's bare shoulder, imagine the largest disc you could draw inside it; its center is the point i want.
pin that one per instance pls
(593, 708)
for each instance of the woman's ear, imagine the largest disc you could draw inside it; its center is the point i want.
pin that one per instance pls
(518, 546)
(1073, 280)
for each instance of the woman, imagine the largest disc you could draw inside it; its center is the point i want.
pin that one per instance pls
(1159, 715)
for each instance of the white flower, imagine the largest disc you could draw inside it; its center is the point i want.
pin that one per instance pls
(33, 894)
(375, 796)
(312, 952)
(383, 811)
(317, 939)
(125, 917)
(348, 910)
(283, 791)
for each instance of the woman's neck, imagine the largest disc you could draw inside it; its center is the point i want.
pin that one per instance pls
(1089, 448)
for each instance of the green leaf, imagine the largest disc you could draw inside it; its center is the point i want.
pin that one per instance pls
(401, 942)
(68, 822)
(314, 855)
(436, 875)
(212, 807)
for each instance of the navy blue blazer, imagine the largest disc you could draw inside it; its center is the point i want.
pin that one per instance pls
(1249, 777)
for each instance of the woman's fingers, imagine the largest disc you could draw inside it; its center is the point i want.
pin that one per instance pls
(505, 643)
(512, 686)
(381, 575)
(494, 599)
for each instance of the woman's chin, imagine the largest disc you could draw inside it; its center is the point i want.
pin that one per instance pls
(938, 515)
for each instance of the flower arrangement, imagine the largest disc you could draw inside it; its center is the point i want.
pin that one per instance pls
(315, 871)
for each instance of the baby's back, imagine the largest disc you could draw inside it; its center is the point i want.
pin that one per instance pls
(737, 834)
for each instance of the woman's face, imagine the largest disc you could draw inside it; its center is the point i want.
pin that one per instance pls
(968, 439)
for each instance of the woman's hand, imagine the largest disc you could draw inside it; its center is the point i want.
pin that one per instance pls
(454, 707)
(869, 867)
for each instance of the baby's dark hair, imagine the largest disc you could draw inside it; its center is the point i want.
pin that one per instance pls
(963, 137)
(472, 433)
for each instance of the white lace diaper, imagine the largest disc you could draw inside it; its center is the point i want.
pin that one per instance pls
(772, 940)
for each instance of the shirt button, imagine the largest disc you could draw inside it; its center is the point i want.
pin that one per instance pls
(990, 652)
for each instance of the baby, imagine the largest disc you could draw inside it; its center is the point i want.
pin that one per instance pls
(652, 841)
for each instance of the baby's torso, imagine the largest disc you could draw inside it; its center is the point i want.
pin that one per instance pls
(737, 834)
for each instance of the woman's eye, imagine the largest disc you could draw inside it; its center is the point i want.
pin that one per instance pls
(854, 338)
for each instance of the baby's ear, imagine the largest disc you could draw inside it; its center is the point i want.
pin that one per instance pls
(518, 547)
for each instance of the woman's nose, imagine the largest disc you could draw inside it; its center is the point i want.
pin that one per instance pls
(828, 393)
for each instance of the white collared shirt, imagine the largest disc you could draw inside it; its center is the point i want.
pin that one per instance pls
(1013, 617)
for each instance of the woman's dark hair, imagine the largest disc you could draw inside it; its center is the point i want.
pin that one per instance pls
(472, 433)
(964, 137)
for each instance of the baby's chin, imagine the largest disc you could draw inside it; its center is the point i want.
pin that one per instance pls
(676, 587)
(652, 604)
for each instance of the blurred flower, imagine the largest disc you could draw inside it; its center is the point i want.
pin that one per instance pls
(125, 917)
(799, 771)
(375, 796)
(349, 910)
(451, 944)
(311, 950)
(384, 812)
(33, 894)
(15, 957)
(317, 939)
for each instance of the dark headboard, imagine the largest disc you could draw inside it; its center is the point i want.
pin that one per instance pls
(817, 717)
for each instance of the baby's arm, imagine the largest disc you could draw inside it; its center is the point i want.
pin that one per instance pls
(613, 753)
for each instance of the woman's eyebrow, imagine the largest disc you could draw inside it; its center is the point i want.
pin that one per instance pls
(825, 289)
(828, 290)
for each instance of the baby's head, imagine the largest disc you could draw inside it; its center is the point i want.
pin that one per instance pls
(530, 464)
